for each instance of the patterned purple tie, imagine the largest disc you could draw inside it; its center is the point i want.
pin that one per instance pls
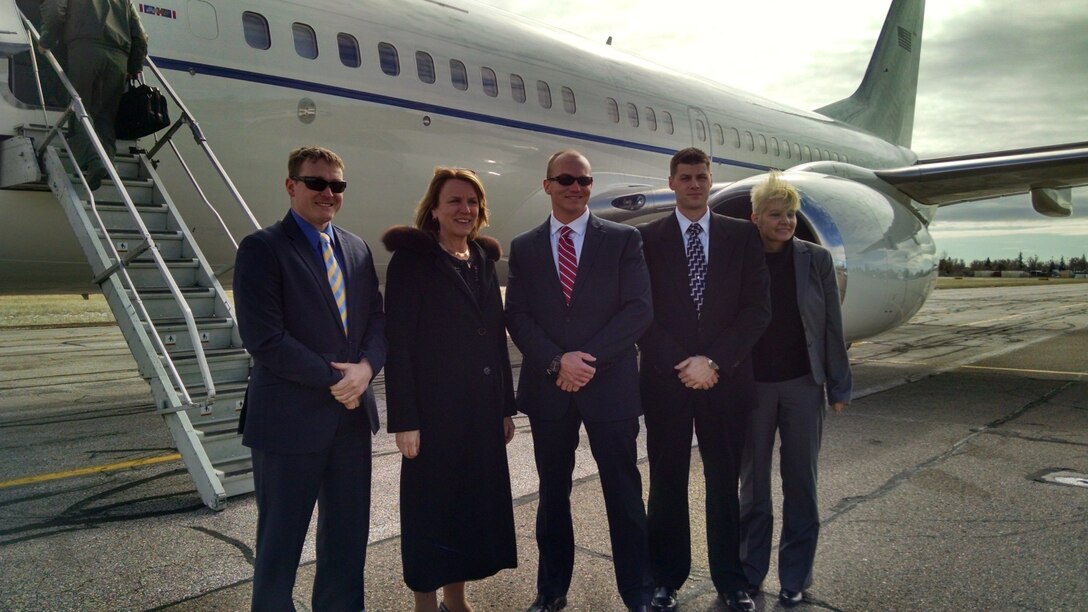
(568, 262)
(696, 266)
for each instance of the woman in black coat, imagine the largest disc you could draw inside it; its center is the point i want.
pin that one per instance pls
(449, 393)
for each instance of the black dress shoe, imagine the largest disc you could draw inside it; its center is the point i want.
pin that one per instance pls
(790, 598)
(664, 599)
(544, 603)
(753, 590)
(739, 601)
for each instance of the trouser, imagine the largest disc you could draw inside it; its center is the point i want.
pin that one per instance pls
(795, 408)
(613, 444)
(720, 431)
(287, 486)
(98, 74)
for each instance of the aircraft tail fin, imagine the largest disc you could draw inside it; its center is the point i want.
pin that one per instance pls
(884, 102)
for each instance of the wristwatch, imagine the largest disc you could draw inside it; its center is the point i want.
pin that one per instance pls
(713, 366)
(555, 365)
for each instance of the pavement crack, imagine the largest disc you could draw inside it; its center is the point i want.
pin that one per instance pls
(847, 504)
(246, 551)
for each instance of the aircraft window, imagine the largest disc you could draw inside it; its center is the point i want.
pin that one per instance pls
(667, 117)
(651, 119)
(305, 40)
(808, 154)
(349, 50)
(748, 140)
(517, 88)
(845, 159)
(569, 104)
(774, 146)
(719, 133)
(700, 129)
(544, 94)
(389, 59)
(762, 144)
(425, 66)
(255, 28)
(613, 110)
(632, 114)
(734, 136)
(823, 154)
(491, 82)
(797, 151)
(459, 74)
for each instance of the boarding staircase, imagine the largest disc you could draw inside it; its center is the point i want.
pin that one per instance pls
(168, 302)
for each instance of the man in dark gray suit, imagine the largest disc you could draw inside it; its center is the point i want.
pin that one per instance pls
(577, 299)
(310, 314)
(710, 306)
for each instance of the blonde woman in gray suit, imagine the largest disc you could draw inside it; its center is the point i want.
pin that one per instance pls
(800, 367)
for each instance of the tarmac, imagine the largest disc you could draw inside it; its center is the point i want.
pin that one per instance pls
(933, 489)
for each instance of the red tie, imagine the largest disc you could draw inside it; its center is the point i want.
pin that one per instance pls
(568, 262)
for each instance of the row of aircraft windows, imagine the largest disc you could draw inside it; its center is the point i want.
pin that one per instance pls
(258, 35)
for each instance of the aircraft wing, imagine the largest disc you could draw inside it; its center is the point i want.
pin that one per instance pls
(1047, 172)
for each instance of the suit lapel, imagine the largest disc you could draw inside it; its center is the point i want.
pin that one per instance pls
(802, 259)
(674, 250)
(591, 243)
(306, 254)
(722, 252)
(544, 260)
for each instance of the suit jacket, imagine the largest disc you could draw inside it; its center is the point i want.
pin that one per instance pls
(821, 316)
(736, 302)
(289, 323)
(610, 309)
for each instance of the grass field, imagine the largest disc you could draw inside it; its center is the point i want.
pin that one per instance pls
(72, 310)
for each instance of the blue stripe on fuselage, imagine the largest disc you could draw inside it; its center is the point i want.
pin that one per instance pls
(343, 92)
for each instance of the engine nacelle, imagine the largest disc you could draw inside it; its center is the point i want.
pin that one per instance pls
(884, 256)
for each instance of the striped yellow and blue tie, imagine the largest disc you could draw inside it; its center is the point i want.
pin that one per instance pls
(336, 279)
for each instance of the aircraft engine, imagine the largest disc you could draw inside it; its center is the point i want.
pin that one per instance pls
(884, 257)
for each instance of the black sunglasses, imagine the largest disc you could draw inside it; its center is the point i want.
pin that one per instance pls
(316, 183)
(567, 180)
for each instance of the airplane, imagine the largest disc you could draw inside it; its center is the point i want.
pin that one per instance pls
(398, 87)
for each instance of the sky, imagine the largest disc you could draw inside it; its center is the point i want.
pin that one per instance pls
(994, 75)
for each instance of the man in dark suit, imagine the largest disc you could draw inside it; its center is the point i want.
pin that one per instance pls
(310, 314)
(711, 303)
(577, 299)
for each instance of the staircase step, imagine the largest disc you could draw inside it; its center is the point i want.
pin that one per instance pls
(228, 366)
(156, 217)
(147, 274)
(214, 333)
(160, 303)
(171, 243)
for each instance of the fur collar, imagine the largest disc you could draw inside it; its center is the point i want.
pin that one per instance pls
(413, 239)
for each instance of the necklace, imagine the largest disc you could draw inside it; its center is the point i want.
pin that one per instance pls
(463, 256)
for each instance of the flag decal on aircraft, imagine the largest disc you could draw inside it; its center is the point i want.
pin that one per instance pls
(905, 38)
(148, 9)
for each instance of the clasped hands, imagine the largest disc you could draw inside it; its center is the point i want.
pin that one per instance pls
(575, 371)
(695, 372)
(356, 379)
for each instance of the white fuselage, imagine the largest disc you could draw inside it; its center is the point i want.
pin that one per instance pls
(255, 105)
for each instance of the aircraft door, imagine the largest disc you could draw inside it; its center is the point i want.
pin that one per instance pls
(700, 131)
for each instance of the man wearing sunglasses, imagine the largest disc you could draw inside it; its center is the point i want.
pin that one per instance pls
(577, 299)
(711, 303)
(310, 314)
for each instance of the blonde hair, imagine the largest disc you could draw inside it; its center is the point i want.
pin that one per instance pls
(426, 221)
(774, 189)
